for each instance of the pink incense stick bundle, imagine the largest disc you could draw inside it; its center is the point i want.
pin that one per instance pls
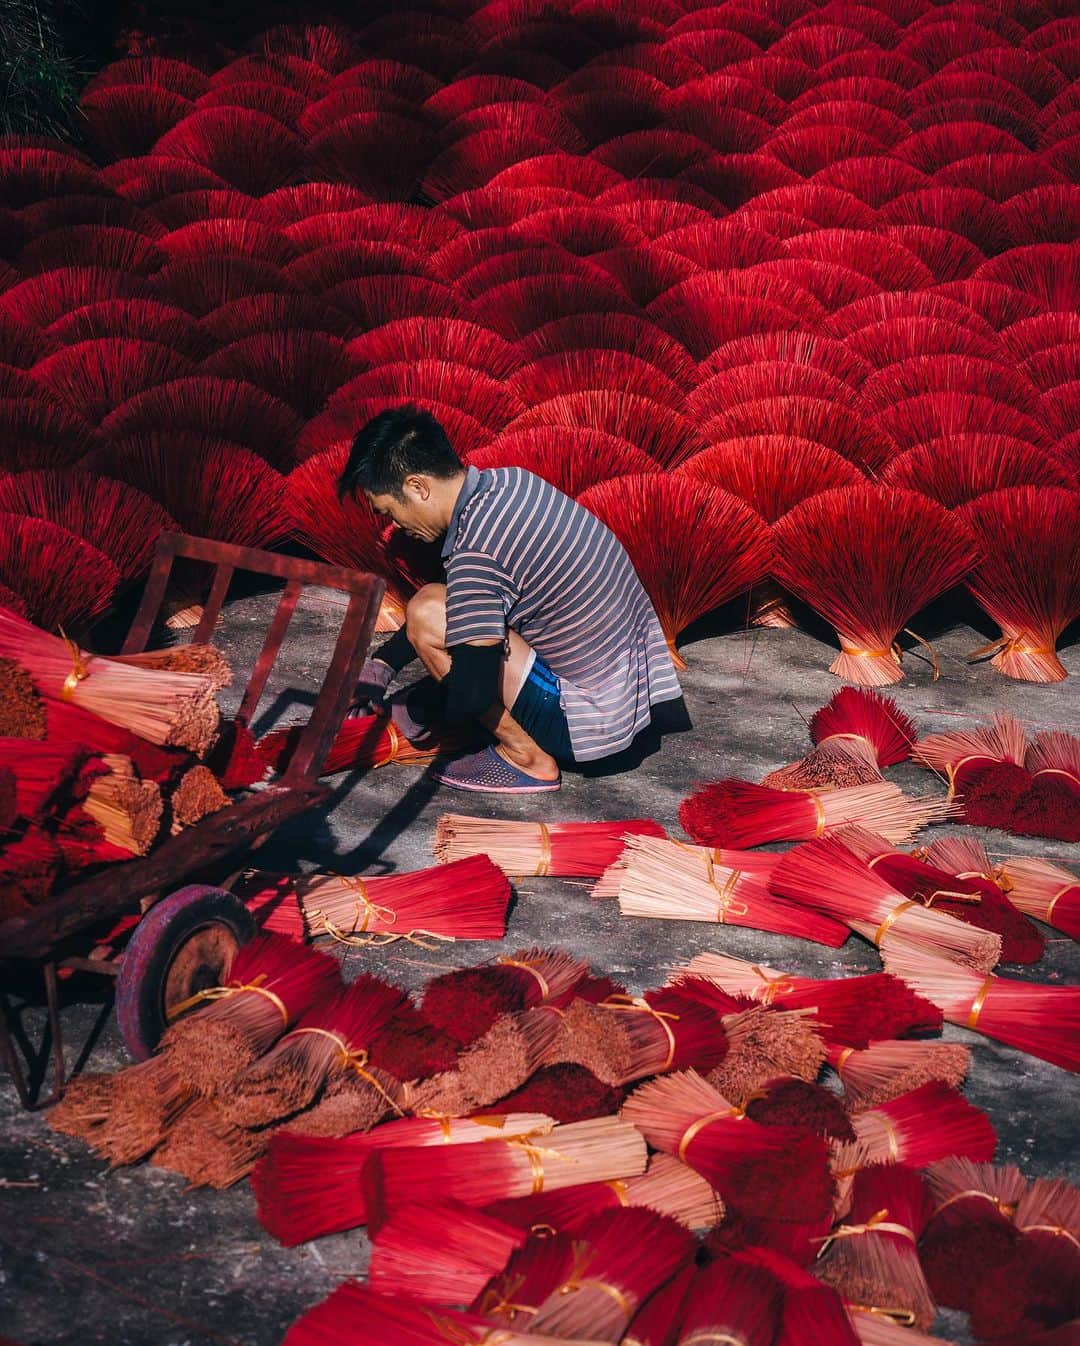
(825, 874)
(775, 1172)
(1049, 892)
(885, 1070)
(338, 1033)
(621, 1257)
(533, 1272)
(443, 1253)
(272, 982)
(594, 1151)
(848, 1011)
(362, 741)
(733, 1304)
(972, 1229)
(871, 1259)
(740, 814)
(918, 1128)
(464, 900)
(68, 723)
(520, 848)
(984, 768)
(672, 881)
(465, 1003)
(1043, 1021)
(791, 1239)
(967, 897)
(1055, 753)
(812, 1310)
(855, 734)
(165, 707)
(658, 1320)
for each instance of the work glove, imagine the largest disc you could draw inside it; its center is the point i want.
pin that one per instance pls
(370, 691)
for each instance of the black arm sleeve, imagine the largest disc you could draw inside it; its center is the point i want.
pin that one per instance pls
(397, 651)
(472, 685)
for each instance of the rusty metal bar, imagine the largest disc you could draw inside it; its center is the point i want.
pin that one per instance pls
(153, 597)
(222, 579)
(269, 652)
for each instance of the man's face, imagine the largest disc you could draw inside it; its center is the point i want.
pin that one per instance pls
(415, 513)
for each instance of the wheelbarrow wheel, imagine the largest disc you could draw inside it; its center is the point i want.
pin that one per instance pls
(184, 944)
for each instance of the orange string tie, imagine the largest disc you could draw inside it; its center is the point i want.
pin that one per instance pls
(890, 920)
(733, 1113)
(878, 1223)
(901, 1317)
(661, 1017)
(1021, 643)
(728, 902)
(583, 1256)
(1007, 1208)
(978, 1002)
(530, 967)
(543, 865)
(781, 984)
(80, 667)
(394, 735)
(1059, 1231)
(1048, 914)
(954, 896)
(350, 1060)
(225, 992)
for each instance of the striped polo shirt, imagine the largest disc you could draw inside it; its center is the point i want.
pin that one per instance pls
(519, 554)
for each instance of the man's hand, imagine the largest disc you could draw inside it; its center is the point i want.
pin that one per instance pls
(370, 690)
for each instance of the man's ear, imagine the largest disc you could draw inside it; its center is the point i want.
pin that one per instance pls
(417, 484)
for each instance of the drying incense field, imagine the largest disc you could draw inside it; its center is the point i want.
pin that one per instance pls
(787, 293)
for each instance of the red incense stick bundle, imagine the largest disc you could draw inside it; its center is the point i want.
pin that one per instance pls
(272, 981)
(1043, 1021)
(824, 874)
(234, 758)
(592, 1151)
(658, 1320)
(1049, 892)
(463, 900)
(733, 1304)
(855, 734)
(967, 897)
(971, 1231)
(762, 1046)
(801, 1104)
(770, 1171)
(620, 1258)
(984, 768)
(565, 1091)
(338, 1033)
(465, 1003)
(1051, 807)
(848, 1011)
(68, 723)
(873, 1328)
(871, 1259)
(308, 1186)
(49, 777)
(1054, 753)
(885, 1070)
(571, 850)
(362, 741)
(670, 880)
(812, 1310)
(174, 709)
(29, 867)
(443, 1253)
(918, 1128)
(740, 814)
(512, 1299)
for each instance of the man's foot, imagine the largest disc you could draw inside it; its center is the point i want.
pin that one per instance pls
(489, 772)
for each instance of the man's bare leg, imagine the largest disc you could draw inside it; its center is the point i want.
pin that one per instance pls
(425, 621)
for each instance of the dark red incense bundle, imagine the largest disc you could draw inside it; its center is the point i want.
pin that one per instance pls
(1028, 579)
(533, 1272)
(789, 1238)
(620, 1258)
(867, 558)
(60, 578)
(1043, 1021)
(29, 867)
(308, 1186)
(440, 1254)
(362, 741)
(739, 814)
(49, 777)
(731, 1302)
(1050, 807)
(858, 730)
(567, 850)
(769, 1171)
(597, 1150)
(971, 1231)
(848, 1011)
(272, 982)
(234, 758)
(339, 1033)
(811, 1310)
(983, 766)
(824, 874)
(658, 1320)
(566, 1091)
(885, 1070)
(871, 1259)
(467, 1002)
(918, 1128)
(67, 723)
(803, 1105)
(971, 899)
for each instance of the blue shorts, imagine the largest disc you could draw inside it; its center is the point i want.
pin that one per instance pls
(538, 709)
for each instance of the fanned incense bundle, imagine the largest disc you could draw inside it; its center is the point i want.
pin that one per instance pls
(971, 1232)
(731, 1304)
(848, 1011)
(177, 709)
(739, 814)
(885, 1070)
(764, 1045)
(1051, 807)
(967, 897)
(351, 1102)
(308, 1186)
(362, 741)
(673, 881)
(463, 900)
(465, 1003)
(769, 1171)
(825, 874)
(856, 733)
(593, 1151)
(620, 1258)
(272, 981)
(571, 850)
(918, 1128)
(1043, 1021)
(1049, 892)
(871, 1258)
(335, 1035)
(84, 1107)
(441, 1253)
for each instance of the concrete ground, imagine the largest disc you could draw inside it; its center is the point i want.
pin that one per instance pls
(131, 1258)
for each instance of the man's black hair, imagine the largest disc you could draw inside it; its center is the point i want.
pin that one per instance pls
(393, 445)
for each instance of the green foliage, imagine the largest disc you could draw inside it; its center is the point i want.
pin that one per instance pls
(39, 80)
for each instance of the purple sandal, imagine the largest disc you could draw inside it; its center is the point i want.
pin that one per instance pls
(489, 772)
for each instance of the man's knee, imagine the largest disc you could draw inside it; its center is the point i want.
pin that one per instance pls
(425, 614)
